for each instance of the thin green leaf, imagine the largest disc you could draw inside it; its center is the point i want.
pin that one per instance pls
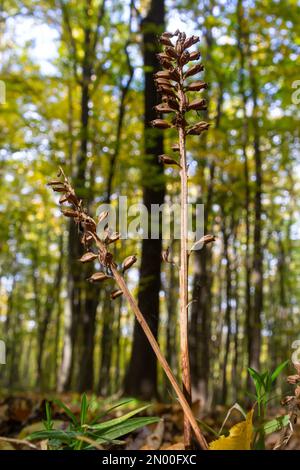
(126, 427)
(278, 370)
(83, 409)
(208, 428)
(117, 421)
(274, 425)
(109, 410)
(68, 411)
(63, 436)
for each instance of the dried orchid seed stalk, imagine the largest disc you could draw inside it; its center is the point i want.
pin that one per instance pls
(106, 261)
(172, 82)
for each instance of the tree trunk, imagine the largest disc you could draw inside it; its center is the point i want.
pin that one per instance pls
(255, 346)
(141, 377)
(227, 312)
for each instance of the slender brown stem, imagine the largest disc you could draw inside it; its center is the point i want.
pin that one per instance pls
(144, 325)
(183, 277)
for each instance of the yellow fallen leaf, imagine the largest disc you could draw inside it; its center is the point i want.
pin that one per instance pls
(240, 436)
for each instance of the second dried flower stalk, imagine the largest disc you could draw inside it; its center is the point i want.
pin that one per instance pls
(174, 83)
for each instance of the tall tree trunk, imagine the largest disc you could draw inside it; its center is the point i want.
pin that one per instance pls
(200, 330)
(245, 139)
(83, 298)
(141, 377)
(255, 346)
(52, 297)
(106, 345)
(227, 310)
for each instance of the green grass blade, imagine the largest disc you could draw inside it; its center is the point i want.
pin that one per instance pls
(63, 436)
(67, 411)
(275, 424)
(117, 421)
(278, 370)
(83, 409)
(124, 428)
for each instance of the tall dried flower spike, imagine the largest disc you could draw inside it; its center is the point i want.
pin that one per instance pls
(110, 270)
(173, 84)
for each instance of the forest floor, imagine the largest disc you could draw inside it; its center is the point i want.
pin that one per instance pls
(23, 413)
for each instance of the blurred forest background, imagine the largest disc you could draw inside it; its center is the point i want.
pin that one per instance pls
(80, 94)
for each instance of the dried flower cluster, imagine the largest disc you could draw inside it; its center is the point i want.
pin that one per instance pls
(174, 87)
(90, 239)
(98, 249)
(175, 83)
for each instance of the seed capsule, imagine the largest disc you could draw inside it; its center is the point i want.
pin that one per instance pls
(194, 70)
(195, 55)
(87, 257)
(190, 42)
(128, 262)
(170, 51)
(113, 237)
(160, 124)
(69, 213)
(184, 58)
(166, 41)
(166, 160)
(98, 277)
(198, 128)
(102, 216)
(197, 105)
(197, 86)
(164, 108)
(115, 294)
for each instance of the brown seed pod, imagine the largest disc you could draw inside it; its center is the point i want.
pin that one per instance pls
(56, 183)
(194, 70)
(170, 51)
(88, 257)
(190, 42)
(160, 124)
(167, 34)
(197, 105)
(113, 237)
(98, 277)
(102, 216)
(128, 262)
(166, 41)
(59, 188)
(184, 58)
(195, 55)
(198, 128)
(163, 82)
(166, 90)
(205, 240)
(171, 101)
(163, 74)
(162, 56)
(69, 212)
(164, 108)
(64, 198)
(166, 160)
(197, 86)
(116, 293)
